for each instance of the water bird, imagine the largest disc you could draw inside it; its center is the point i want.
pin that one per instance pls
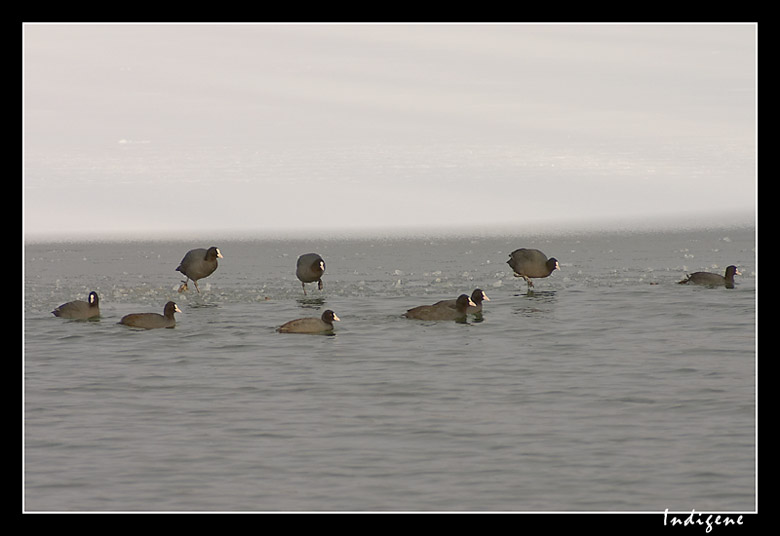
(153, 320)
(478, 296)
(79, 309)
(309, 269)
(531, 263)
(713, 280)
(197, 264)
(323, 324)
(442, 312)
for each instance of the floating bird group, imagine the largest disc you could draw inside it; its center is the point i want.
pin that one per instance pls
(310, 267)
(442, 311)
(475, 307)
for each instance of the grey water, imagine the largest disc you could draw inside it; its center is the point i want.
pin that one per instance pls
(607, 387)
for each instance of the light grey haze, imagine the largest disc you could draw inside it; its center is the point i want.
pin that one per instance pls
(202, 130)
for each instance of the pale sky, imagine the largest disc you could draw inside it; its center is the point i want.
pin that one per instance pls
(199, 131)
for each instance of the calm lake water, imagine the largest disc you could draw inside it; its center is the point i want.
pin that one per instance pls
(607, 388)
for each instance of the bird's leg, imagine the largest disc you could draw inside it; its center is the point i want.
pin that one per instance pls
(196, 286)
(303, 286)
(527, 280)
(183, 287)
(319, 284)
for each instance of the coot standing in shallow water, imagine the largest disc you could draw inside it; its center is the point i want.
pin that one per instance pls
(713, 280)
(478, 296)
(152, 320)
(531, 263)
(78, 309)
(442, 312)
(197, 264)
(310, 325)
(309, 269)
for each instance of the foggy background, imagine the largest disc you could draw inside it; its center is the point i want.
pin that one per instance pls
(206, 130)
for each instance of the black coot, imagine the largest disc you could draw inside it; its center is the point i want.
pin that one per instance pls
(152, 320)
(713, 280)
(78, 309)
(478, 296)
(197, 264)
(441, 312)
(309, 269)
(531, 263)
(310, 325)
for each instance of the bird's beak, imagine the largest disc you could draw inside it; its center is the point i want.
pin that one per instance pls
(176, 308)
(219, 255)
(484, 297)
(337, 319)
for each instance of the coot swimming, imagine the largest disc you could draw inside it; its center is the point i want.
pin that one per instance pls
(310, 325)
(79, 309)
(713, 280)
(441, 312)
(152, 320)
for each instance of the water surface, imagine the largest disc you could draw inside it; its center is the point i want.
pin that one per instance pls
(607, 388)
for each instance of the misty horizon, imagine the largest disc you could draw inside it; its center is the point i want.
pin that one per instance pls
(318, 130)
